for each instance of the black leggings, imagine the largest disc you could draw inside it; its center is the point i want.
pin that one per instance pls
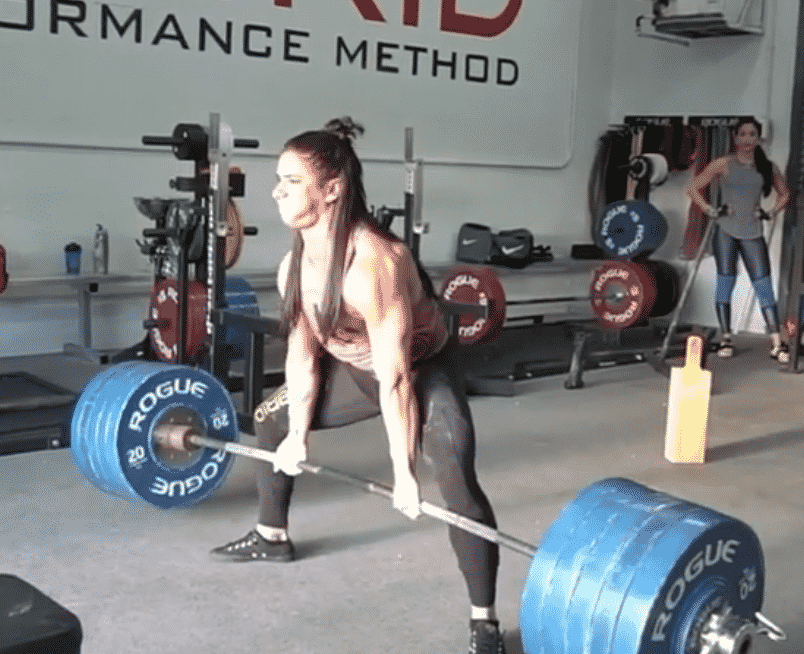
(754, 253)
(349, 395)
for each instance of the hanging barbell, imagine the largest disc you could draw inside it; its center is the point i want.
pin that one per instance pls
(623, 569)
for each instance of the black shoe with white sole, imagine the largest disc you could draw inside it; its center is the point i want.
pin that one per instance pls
(253, 547)
(485, 638)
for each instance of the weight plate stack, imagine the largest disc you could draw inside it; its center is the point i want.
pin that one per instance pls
(626, 569)
(113, 424)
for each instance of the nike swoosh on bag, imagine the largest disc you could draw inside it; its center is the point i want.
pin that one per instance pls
(468, 241)
(511, 250)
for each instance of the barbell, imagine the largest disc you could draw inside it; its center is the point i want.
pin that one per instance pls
(621, 294)
(623, 569)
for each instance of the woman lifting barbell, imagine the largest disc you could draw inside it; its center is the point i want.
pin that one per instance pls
(365, 338)
(745, 177)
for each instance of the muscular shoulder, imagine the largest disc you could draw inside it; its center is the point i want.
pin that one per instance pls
(380, 264)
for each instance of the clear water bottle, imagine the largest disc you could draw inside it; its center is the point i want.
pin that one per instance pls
(100, 251)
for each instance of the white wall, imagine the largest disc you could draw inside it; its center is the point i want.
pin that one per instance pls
(542, 130)
(281, 69)
(68, 163)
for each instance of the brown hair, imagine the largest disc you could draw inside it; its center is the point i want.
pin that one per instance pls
(333, 157)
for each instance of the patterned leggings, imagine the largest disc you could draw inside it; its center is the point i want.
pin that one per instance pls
(754, 253)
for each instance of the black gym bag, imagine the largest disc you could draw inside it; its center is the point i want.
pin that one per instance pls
(512, 248)
(474, 243)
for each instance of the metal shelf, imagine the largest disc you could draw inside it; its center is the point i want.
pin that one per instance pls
(733, 18)
(700, 26)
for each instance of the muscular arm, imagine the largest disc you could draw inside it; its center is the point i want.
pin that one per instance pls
(380, 288)
(302, 379)
(703, 179)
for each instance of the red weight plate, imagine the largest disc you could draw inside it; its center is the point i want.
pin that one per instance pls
(622, 293)
(164, 308)
(476, 285)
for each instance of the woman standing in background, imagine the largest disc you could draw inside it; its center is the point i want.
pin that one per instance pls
(746, 176)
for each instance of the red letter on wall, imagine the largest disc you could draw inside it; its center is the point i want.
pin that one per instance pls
(410, 13)
(368, 10)
(452, 21)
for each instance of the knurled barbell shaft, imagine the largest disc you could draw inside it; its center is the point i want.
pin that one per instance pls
(434, 511)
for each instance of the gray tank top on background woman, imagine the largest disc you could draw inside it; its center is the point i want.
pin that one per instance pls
(741, 187)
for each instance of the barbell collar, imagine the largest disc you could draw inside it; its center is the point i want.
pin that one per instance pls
(724, 633)
(434, 511)
(769, 629)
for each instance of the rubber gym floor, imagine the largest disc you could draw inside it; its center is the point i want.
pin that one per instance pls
(367, 580)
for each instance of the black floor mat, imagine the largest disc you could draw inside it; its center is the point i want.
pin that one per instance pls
(23, 391)
(33, 413)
